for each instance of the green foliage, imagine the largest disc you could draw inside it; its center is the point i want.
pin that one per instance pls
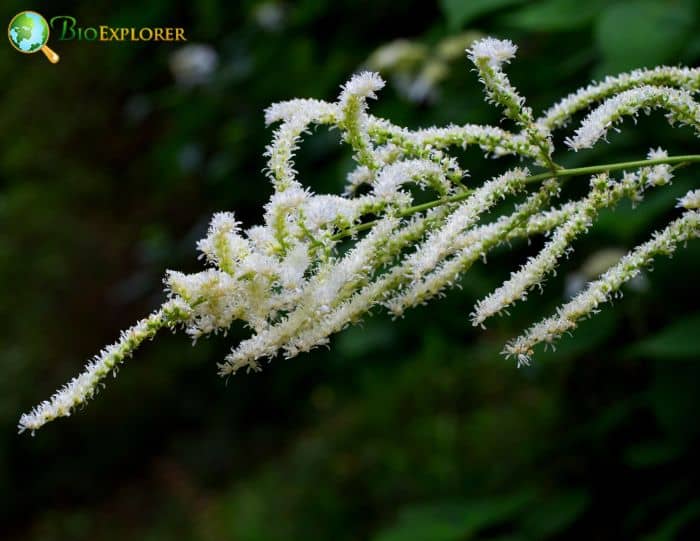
(679, 340)
(454, 521)
(459, 13)
(638, 33)
(555, 15)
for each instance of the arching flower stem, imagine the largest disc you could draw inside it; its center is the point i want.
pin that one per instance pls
(539, 177)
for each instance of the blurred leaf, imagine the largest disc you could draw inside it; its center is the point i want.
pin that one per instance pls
(456, 521)
(460, 12)
(691, 51)
(373, 336)
(651, 453)
(575, 63)
(610, 419)
(674, 397)
(639, 33)
(673, 491)
(626, 220)
(554, 15)
(671, 527)
(555, 514)
(680, 340)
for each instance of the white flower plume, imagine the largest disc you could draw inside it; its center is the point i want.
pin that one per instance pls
(494, 52)
(317, 263)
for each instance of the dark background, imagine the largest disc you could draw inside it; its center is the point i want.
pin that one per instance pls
(403, 431)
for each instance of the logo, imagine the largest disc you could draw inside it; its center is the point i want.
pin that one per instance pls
(68, 30)
(29, 32)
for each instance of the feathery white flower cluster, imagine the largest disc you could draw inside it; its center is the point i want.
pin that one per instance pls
(691, 200)
(560, 114)
(488, 55)
(679, 105)
(607, 286)
(320, 262)
(87, 383)
(604, 193)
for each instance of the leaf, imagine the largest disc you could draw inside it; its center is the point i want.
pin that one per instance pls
(673, 394)
(454, 521)
(555, 15)
(460, 12)
(651, 453)
(642, 33)
(626, 220)
(555, 514)
(358, 342)
(680, 340)
(672, 526)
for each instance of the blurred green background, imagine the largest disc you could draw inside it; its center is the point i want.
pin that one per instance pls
(111, 164)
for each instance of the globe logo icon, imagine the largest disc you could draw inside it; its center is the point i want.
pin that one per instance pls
(29, 32)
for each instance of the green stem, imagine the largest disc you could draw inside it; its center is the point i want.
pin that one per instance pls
(558, 173)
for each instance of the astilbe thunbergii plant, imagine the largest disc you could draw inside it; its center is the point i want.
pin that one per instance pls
(321, 262)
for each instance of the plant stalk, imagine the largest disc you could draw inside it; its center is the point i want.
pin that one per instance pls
(558, 173)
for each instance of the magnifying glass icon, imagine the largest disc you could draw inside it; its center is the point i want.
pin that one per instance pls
(29, 32)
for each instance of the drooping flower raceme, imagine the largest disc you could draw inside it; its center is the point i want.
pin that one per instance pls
(320, 262)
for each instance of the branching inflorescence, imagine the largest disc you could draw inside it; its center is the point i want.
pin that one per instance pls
(322, 262)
